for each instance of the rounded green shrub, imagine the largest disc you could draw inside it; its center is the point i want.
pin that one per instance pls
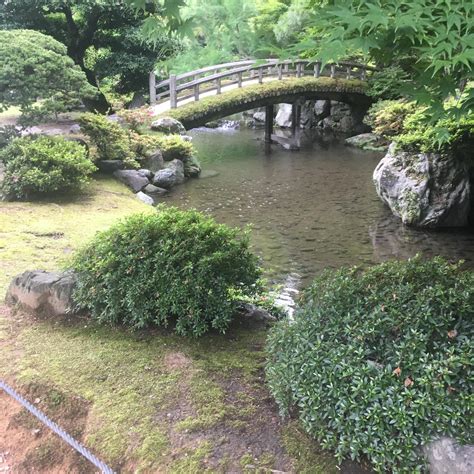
(378, 362)
(175, 147)
(387, 117)
(171, 266)
(109, 140)
(43, 165)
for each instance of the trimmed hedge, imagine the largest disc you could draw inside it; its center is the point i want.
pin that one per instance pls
(380, 361)
(44, 165)
(174, 266)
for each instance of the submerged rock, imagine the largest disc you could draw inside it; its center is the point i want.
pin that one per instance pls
(168, 125)
(424, 189)
(368, 141)
(446, 456)
(40, 292)
(132, 178)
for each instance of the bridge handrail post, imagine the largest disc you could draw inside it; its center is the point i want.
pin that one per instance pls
(317, 69)
(363, 74)
(152, 87)
(333, 71)
(173, 92)
(260, 75)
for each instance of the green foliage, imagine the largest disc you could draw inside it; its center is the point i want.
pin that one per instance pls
(437, 36)
(43, 165)
(173, 266)
(7, 134)
(110, 140)
(212, 107)
(379, 361)
(114, 41)
(37, 75)
(387, 117)
(449, 135)
(385, 84)
(175, 146)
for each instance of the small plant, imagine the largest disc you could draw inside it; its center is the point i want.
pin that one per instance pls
(174, 266)
(175, 147)
(44, 165)
(379, 362)
(448, 135)
(387, 117)
(110, 140)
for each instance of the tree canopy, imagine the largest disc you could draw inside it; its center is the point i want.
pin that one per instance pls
(37, 75)
(432, 40)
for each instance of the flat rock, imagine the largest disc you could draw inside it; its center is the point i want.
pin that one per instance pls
(145, 198)
(153, 190)
(43, 293)
(446, 456)
(132, 178)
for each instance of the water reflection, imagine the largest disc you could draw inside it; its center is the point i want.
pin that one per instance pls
(310, 210)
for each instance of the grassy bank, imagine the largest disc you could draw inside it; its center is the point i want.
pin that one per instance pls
(146, 402)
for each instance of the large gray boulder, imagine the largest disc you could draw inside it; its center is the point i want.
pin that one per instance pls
(283, 118)
(170, 176)
(43, 293)
(135, 180)
(154, 161)
(192, 167)
(168, 125)
(424, 189)
(446, 456)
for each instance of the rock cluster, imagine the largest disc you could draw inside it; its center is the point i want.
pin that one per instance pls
(325, 114)
(151, 184)
(425, 189)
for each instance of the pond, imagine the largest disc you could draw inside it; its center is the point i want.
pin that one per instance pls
(312, 209)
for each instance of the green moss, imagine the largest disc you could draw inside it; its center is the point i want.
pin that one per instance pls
(213, 105)
(193, 461)
(308, 458)
(41, 234)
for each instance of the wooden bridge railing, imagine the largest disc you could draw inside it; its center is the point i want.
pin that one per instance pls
(180, 87)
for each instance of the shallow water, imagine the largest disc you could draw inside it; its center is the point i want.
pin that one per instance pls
(310, 210)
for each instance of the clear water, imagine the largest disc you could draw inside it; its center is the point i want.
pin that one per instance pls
(310, 210)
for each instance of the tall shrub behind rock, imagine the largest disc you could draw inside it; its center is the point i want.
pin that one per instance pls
(379, 362)
(173, 267)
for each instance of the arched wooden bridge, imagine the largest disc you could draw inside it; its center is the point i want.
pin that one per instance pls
(243, 85)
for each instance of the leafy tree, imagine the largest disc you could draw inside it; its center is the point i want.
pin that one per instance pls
(37, 75)
(221, 32)
(432, 40)
(83, 25)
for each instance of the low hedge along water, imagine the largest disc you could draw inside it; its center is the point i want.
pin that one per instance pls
(174, 266)
(379, 362)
